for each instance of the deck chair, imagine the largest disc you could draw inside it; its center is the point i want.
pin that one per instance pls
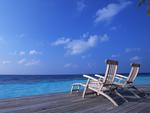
(125, 82)
(101, 87)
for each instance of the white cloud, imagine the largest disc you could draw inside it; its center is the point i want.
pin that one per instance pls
(70, 65)
(127, 50)
(32, 62)
(91, 65)
(111, 10)
(6, 62)
(135, 58)
(22, 53)
(34, 52)
(67, 65)
(81, 5)
(61, 41)
(86, 56)
(22, 61)
(115, 55)
(85, 35)
(28, 62)
(114, 28)
(81, 45)
(104, 38)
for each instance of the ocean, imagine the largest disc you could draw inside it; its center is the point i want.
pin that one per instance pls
(27, 85)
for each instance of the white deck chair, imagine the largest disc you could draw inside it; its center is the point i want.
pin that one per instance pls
(127, 82)
(100, 86)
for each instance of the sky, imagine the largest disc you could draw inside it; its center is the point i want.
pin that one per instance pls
(72, 36)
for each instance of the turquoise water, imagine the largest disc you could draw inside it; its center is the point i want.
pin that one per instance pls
(28, 89)
(142, 80)
(19, 89)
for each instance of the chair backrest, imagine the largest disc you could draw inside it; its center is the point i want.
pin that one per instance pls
(133, 73)
(111, 70)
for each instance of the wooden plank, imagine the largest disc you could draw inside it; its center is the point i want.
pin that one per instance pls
(39, 105)
(98, 108)
(79, 105)
(23, 102)
(122, 107)
(66, 103)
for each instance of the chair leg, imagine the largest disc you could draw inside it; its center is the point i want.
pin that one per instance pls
(78, 88)
(84, 91)
(72, 89)
(109, 98)
(86, 86)
(121, 96)
(140, 91)
(137, 96)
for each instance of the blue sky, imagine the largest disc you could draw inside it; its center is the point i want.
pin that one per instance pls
(72, 36)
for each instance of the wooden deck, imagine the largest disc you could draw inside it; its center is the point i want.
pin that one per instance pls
(73, 103)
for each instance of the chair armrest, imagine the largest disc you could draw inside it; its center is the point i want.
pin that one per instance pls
(91, 78)
(100, 76)
(118, 78)
(121, 76)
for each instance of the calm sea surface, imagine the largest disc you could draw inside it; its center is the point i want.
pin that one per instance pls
(27, 85)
